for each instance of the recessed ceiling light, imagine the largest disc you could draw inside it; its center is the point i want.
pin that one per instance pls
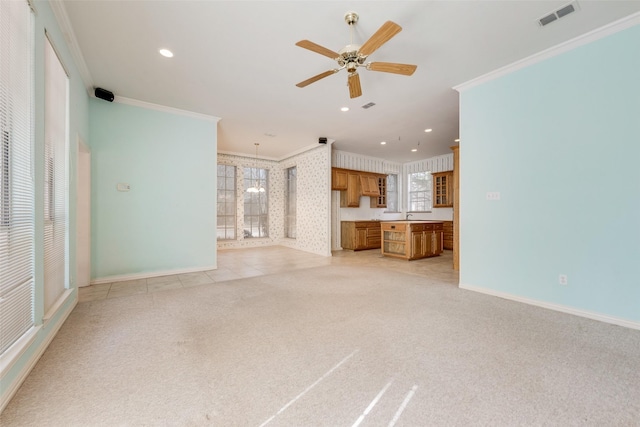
(344, 109)
(428, 130)
(456, 140)
(413, 150)
(383, 143)
(166, 53)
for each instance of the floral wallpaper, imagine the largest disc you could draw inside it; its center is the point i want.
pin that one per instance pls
(313, 218)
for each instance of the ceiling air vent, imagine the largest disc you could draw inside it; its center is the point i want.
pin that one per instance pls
(369, 105)
(557, 14)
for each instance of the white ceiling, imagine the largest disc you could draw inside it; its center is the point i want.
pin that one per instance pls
(237, 60)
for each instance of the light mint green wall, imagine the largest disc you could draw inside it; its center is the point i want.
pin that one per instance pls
(560, 140)
(167, 221)
(78, 126)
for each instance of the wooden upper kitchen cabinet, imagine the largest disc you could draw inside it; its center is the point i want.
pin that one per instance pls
(338, 179)
(350, 198)
(369, 185)
(353, 184)
(360, 235)
(381, 200)
(443, 189)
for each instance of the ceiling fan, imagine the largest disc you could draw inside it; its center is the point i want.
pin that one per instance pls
(353, 56)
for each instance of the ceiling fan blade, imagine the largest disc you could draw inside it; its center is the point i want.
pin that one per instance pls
(316, 78)
(355, 90)
(392, 67)
(317, 49)
(380, 37)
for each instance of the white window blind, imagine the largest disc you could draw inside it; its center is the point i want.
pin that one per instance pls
(16, 184)
(55, 178)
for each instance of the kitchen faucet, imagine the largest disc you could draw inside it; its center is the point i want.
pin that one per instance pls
(407, 217)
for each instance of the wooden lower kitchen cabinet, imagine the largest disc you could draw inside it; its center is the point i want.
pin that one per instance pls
(360, 235)
(411, 239)
(447, 235)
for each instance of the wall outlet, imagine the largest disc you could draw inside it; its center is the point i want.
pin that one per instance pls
(493, 195)
(563, 280)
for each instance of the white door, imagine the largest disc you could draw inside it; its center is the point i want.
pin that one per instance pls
(83, 216)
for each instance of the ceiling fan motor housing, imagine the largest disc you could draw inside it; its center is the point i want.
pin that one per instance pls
(351, 17)
(350, 58)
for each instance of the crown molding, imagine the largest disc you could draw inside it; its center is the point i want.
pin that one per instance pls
(589, 37)
(164, 108)
(248, 156)
(66, 29)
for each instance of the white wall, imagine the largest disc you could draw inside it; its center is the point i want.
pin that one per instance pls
(559, 140)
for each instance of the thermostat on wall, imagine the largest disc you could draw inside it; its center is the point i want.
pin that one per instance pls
(123, 187)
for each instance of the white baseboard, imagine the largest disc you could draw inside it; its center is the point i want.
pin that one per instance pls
(125, 277)
(13, 387)
(557, 307)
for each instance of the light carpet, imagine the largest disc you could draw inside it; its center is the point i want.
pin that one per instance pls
(332, 346)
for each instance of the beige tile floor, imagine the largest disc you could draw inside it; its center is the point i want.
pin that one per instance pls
(242, 263)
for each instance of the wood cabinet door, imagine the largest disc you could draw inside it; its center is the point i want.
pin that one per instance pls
(417, 245)
(369, 185)
(361, 238)
(351, 197)
(443, 189)
(374, 190)
(381, 200)
(338, 179)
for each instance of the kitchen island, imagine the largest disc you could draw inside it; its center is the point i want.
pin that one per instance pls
(411, 239)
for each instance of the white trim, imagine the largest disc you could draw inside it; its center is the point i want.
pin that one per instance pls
(56, 306)
(556, 307)
(591, 36)
(164, 108)
(17, 350)
(135, 276)
(307, 148)
(60, 13)
(276, 159)
(12, 388)
(247, 156)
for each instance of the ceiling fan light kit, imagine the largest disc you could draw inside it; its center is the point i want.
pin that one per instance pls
(353, 56)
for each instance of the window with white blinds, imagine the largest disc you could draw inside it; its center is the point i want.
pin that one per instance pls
(16, 184)
(56, 186)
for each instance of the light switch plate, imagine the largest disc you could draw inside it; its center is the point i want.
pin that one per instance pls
(123, 186)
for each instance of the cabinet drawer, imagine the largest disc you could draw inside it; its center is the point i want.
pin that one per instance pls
(367, 224)
(374, 232)
(373, 242)
(394, 227)
(418, 227)
(438, 227)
